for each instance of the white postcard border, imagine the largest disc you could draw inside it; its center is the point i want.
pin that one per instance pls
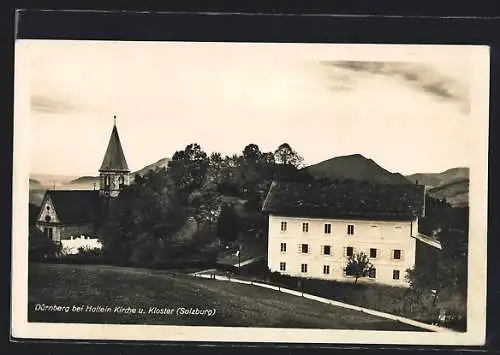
(21, 328)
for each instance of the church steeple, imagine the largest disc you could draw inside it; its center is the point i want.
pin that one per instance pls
(114, 171)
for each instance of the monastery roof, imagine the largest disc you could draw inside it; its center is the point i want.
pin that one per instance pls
(114, 159)
(76, 206)
(349, 200)
(432, 241)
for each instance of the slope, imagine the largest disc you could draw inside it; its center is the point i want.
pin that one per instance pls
(235, 305)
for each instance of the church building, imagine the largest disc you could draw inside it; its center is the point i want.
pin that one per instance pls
(72, 217)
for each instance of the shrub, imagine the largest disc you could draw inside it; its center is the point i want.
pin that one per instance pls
(42, 248)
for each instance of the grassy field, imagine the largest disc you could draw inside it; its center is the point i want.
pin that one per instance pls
(236, 305)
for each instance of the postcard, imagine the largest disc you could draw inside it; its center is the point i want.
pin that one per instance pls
(250, 192)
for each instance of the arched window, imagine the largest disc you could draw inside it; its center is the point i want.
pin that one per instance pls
(122, 180)
(106, 180)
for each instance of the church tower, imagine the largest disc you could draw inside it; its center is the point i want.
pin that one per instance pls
(114, 172)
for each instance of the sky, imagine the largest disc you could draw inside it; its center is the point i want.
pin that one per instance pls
(409, 111)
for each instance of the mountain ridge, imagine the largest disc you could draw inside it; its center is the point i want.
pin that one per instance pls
(354, 167)
(451, 184)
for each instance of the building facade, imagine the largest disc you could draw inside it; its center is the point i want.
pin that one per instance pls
(313, 230)
(320, 247)
(74, 216)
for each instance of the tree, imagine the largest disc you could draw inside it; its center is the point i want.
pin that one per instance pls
(287, 156)
(40, 246)
(142, 220)
(358, 265)
(188, 168)
(442, 275)
(228, 224)
(252, 153)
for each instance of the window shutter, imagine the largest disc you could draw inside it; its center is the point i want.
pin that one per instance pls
(322, 249)
(392, 254)
(402, 254)
(300, 248)
(345, 251)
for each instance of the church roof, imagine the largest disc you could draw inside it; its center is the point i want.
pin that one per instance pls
(349, 200)
(114, 159)
(76, 206)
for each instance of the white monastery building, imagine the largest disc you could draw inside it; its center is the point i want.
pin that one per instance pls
(314, 228)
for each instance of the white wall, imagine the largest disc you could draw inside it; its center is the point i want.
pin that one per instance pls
(71, 246)
(382, 235)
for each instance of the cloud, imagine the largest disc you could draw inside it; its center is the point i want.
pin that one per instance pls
(46, 104)
(421, 77)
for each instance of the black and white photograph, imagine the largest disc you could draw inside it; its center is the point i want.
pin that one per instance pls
(252, 192)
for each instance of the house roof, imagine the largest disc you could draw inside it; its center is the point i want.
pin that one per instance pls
(432, 241)
(114, 159)
(75, 206)
(346, 199)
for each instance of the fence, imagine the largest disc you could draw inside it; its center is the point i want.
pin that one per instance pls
(404, 320)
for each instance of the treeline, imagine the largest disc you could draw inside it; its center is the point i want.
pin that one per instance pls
(440, 277)
(179, 212)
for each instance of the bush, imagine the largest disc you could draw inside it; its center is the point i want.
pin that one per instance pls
(395, 300)
(42, 248)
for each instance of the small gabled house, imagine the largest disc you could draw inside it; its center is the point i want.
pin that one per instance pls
(69, 215)
(314, 227)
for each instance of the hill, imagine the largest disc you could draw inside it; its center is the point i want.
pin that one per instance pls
(162, 163)
(455, 192)
(87, 182)
(236, 305)
(354, 167)
(36, 197)
(451, 185)
(35, 185)
(442, 178)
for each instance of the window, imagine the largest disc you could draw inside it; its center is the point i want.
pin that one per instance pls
(395, 274)
(349, 251)
(304, 248)
(350, 229)
(283, 226)
(326, 269)
(282, 266)
(328, 228)
(106, 180)
(305, 227)
(373, 253)
(372, 273)
(48, 208)
(48, 232)
(303, 268)
(283, 247)
(327, 250)
(396, 254)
